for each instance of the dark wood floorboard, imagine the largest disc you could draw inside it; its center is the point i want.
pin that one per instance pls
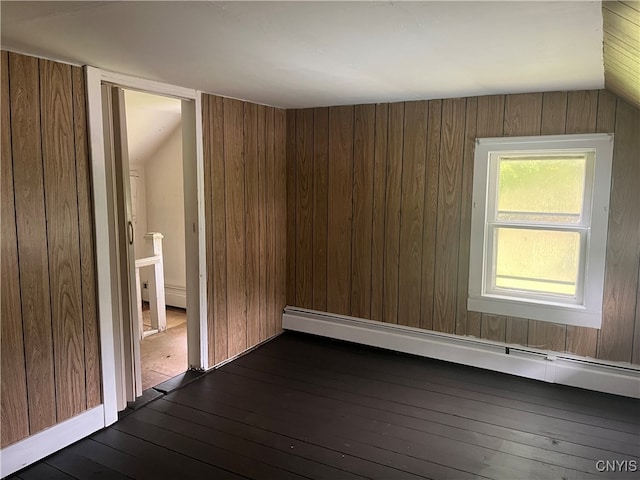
(123, 463)
(407, 369)
(79, 466)
(599, 436)
(174, 464)
(42, 470)
(424, 389)
(412, 448)
(306, 407)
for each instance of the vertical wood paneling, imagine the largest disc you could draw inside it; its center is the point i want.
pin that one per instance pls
(280, 128)
(291, 204)
(489, 123)
(340, 195)
(320, 203)
(635, 355)
(623, 243)
(522, 114)
(582, 108)
(451, 128)
(219, 261)
(207, 154)
(252, 222)
(363, 166)
(432, 173)
(304, 199)
(235, 216)
(263, 333)
(392, 212)
(61, 206)
(494, 327)
(547, 336)
(247, 208)
(465, 216)
(50, 339)
(490, 117)
(13, 402)
(517, 330)
(32, 240)
(606, 123)
(412, 212)
(87, 242)
(606, 120)
(448, 223)
(379, 207)
(270, 178)
(554, 113)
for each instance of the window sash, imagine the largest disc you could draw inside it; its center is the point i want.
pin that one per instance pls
(493, 180)
(490, 264)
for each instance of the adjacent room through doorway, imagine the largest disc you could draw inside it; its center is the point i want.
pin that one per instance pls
(154, 131)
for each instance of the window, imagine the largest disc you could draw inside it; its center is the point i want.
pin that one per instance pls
(539, 227)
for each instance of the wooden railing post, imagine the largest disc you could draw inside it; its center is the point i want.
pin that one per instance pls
(157, 303)
(156, 285)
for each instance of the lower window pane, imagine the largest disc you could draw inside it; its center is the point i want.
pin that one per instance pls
(537, 261)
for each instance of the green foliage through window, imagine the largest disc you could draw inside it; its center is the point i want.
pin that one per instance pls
(541, 189)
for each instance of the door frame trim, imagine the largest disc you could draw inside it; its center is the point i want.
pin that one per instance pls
(196, 331)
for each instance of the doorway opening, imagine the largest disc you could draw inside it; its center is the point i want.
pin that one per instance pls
(154, 144)
(153, 184)
(119, 353)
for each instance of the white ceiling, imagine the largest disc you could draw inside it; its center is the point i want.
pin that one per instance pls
(151, 119)
(302, 54)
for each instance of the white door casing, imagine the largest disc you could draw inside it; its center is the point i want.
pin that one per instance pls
(194, 227)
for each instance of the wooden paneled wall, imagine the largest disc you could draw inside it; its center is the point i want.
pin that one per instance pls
(246, 190)
(50, 350)
(379, 213)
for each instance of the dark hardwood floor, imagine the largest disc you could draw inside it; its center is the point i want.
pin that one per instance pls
(305, 407)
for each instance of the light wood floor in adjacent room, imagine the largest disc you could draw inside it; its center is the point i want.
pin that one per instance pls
(164, 355)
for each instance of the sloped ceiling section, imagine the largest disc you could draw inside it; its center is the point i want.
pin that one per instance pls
(309, 54)
(151, 119)
(621, 21)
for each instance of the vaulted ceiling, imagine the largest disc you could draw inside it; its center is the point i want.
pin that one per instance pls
(300, 54)
(622, 49)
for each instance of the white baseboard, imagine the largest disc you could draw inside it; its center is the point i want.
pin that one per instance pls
(175, 296)
(42, 444)
(616, 378)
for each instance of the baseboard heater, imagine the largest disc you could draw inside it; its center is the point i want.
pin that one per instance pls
(616, 378)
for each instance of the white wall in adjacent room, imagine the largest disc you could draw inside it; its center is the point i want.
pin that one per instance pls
(155, 155)
(165, 208)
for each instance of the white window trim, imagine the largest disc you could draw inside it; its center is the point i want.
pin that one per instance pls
(588, 312)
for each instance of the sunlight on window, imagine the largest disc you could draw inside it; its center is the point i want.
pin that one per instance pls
(541, 189)
(539, 227)
(537, 260)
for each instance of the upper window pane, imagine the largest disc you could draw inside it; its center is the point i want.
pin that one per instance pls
(541, 189)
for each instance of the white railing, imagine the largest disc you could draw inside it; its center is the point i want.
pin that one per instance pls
(157, 303)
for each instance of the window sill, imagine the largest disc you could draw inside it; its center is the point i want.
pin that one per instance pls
(576, 315)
